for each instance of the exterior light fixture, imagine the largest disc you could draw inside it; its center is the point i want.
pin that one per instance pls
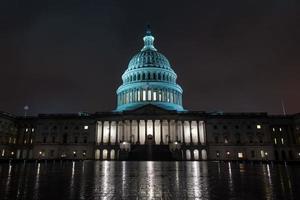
(258, 126)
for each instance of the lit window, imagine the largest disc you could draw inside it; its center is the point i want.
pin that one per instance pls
(273, 129)
(218, 154)
(86, 127)
(12, 153)
(144, 95)
(225, 140)
(74, 152)
(280, 129)
(299, 154)
(275, 141)
(26, 130)
(228, 153)
(266, 153)
(32, 130)
(282, 141)
(154, 96)
(240, 155)
(258, 126)
(149, 95)
(139, 95)
(3, 152)
(262, 153)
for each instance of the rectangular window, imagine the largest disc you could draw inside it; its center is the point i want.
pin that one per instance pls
(225, 140)
(149, 95)
(154, 95)
(139, 95)
(275, 141)
(144, 95)
(262, 153)
(86, 127)
(252, 154)
(240, 155)
(282, 141)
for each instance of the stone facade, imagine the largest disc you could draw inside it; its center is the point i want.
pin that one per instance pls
(151, 133)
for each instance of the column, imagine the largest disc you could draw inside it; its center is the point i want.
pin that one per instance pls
(138, 131)
(130, 128)
(161, 132)
(102, 131)
(117, 132)
(191, 137)
(198, 132)
(109, 131)
(153, 130)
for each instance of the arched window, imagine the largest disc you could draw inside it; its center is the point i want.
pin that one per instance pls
(203, 154)
(104, 154)
(159, 76)
(196, 154)
(143, 76)
(138, 77)
(112, 154)
(97, 154)
(134, 77)
(188, 154)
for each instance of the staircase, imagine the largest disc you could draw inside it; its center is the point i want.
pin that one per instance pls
(150, 152)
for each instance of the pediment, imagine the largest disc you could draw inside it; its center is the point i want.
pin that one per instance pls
(150, 109)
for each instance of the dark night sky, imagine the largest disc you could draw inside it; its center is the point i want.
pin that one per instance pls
(61, 56)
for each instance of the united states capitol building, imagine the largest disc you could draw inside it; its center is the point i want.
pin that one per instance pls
(150, 123)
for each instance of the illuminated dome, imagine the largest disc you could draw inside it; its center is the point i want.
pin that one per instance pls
(149, 79)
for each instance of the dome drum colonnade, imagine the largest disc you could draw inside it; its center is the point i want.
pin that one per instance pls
(149, 79)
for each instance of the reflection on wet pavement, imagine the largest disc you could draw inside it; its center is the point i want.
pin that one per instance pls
(148, 180)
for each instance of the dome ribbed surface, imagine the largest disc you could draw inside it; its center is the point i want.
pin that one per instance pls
(149, 58)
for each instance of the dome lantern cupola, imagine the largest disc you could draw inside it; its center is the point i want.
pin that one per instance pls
(149, 79)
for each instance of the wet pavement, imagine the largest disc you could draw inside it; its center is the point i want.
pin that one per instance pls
(148, 180)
